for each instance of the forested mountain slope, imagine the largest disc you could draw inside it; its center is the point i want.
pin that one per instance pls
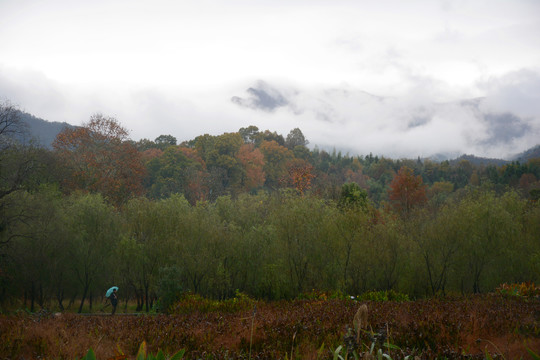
(253, 211)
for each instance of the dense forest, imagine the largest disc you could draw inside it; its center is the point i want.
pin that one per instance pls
(250, 211)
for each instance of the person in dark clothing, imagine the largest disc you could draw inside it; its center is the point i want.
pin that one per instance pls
(114, 301)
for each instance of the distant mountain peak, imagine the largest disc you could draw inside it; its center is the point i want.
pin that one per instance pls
(42, 131)
(532, 153)
(262, 96)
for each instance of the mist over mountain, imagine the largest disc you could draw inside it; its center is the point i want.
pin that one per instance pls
(261, 97)
(412, 124)
(44, 132)
(41, 131)
(532, 153)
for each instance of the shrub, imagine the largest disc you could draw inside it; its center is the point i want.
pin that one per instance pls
(525, 289)
(322, 295)
(190, 303)
(386, 295)
(169, 288)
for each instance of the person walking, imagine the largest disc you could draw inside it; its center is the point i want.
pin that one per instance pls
(114, 301)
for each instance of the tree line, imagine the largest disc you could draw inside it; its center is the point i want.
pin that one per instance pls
(254, 212)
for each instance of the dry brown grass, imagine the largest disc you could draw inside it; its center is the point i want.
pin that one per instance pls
(451, 327)
(360, 320)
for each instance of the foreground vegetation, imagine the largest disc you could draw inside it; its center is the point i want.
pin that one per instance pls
(452, 328)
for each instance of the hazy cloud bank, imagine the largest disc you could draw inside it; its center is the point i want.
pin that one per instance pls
(396, 78)
(503, 122)
(500, 124)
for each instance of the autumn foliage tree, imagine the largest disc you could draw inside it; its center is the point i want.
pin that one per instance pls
(252, 161)
(300, 174)
(100, 159)
(407, 191)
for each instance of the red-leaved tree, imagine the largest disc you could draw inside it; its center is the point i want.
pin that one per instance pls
(300, 174)
(99, 158)
(407, 191)
(252, 161)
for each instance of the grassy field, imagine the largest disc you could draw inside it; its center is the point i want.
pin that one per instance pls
(451, 328)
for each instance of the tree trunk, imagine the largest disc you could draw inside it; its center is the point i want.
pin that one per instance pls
(60, 299)
(60, 292)
(40, 297)
(126, 298)
(85, 292)
(140, 300)
(72, 300)
(32, 296)
(146, 286)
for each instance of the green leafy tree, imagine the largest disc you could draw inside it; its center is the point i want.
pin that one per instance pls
(200, 247)
(302, 226)
(249, 134)
(144, 145)
(461, 174)
(152, 228)
(302, 152)
(268, 135)
(93, 228)
(353, 196)
(352, 226)
(440, 244)
(295, 138)
(486, 229)
(32, 253)
(276, 158)
(389, 245)
(223, 156)
(439, 192)
(171, 173)
(204, 144)
(23, 167)
(253, 260)
(164, 141)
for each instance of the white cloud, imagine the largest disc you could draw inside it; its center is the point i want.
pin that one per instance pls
(170, 67)
(517, 92)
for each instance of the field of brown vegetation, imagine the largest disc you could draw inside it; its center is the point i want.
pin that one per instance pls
(453, 328)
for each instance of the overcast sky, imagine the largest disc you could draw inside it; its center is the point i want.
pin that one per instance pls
(172, 67)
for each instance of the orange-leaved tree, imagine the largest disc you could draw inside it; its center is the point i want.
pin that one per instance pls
(252, 161)
(100, 159)
(407, 191)
(300, 174)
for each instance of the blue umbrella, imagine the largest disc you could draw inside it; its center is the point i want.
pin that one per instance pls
(109, 292)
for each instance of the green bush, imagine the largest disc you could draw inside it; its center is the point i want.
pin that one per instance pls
(169, 288)
(190, 303)
(322, 295)
(385, 295)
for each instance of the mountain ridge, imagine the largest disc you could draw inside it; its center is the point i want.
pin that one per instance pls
(44, 132)
(40, 130)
